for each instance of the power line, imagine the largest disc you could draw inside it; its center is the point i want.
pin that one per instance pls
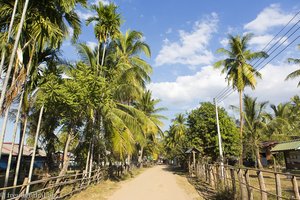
(225, 90)
(229, 90)
(219, 100)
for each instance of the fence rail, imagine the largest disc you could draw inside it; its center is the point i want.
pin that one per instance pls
(59, 187)
(249, 183)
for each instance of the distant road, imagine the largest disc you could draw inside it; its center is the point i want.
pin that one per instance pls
(156, 183)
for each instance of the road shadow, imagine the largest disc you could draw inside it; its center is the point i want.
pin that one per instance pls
(203, 188)
(175, 170)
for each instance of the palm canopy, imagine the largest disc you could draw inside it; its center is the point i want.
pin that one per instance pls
(107, 20)
(133, 72)
(238, 71)
(296, 73)
(179, 126)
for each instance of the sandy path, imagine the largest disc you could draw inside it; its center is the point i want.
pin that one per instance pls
(156, 184)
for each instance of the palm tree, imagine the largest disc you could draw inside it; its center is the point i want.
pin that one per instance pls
(254, 123)
(279, 124)
(296, 73)
(239, 73)
(254, 129)
(148, 105)
(134, 71)
(178, 126)
(107, 26)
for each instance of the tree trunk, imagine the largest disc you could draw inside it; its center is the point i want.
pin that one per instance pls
(241, 127)
(141, 157)
(260, 174)
(65, 157)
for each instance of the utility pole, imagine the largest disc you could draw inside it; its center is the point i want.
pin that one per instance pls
(219, 140)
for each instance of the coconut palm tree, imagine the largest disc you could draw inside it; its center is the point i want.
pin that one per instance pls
(148, 105)
(254, 129)
(128, 49)
(239, 72)
(296, 73)
(279, 122)
(178, 127)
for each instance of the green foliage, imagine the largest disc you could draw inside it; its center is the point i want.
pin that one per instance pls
(202, 132)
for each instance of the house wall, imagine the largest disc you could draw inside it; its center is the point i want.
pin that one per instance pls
(292, 159)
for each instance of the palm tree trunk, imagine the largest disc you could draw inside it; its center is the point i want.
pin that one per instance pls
(8, 35)
(241, 127)
(34, 148)
(13, 141)
(103, 54)
(21, 144)
(12, 57)
(3, 130)
(141, 157)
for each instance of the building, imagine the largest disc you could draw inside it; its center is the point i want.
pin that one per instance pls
(40, 157)
(291, 151)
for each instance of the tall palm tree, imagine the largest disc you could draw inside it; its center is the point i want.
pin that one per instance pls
(107, 26)
(239, 72)
(279, 123)
(179, 126)
(296, 73)
(148, 106)
(129, 64)
(254, 129)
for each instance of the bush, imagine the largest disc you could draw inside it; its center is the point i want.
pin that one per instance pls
(225, 194)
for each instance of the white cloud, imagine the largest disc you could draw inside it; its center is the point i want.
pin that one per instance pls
(191, 49)
(224, 42)
(169, 31)
(270, 17)
(187, 91)
(84, 15)
(105, 2)
(260, 41)
(91, 44)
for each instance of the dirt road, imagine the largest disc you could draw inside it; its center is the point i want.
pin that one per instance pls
(157, 183)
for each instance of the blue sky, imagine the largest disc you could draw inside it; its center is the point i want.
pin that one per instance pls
(184, 37)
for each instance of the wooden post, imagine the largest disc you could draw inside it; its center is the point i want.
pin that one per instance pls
(249, 189)
(262, 185)
(75, 182)
(211, 177)
(278, 186)
(232, 174)
(295, 187)
(22, 190)
(241, 184)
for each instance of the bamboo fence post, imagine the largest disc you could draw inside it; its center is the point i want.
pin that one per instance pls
(249, 189)
(262, 185)
(278, 186)
(295, 187)
(226, 184)
(22, 190)
(232, 174)
(75, 182)
(241, 183)
(211, 177)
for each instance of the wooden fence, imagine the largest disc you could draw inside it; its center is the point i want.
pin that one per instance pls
(248, 183)
(59, 187)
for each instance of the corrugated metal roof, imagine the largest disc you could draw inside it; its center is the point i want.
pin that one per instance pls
(27, 150)
(286, 146)
(192, 149)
